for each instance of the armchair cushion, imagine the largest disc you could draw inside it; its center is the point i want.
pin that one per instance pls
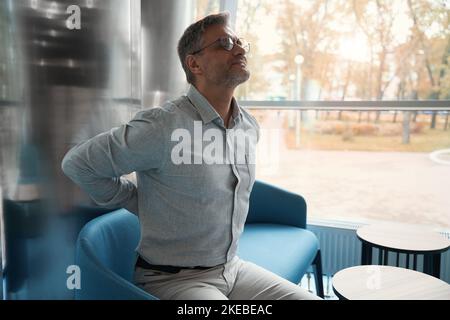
(285, 250)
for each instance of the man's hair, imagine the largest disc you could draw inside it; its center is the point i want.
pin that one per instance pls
(191, 40)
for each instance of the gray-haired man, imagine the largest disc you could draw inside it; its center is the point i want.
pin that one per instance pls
(192, 213)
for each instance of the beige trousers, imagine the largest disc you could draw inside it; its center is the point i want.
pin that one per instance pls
(234, 280)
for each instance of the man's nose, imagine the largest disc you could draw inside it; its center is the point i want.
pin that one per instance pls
(237, 49)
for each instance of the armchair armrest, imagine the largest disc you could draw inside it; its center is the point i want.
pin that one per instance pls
(98, 282)
(270, 204)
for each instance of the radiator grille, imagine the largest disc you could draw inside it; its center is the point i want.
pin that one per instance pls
(341, 249)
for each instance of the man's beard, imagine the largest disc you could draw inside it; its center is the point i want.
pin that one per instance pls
(233, 80)
(230, 79)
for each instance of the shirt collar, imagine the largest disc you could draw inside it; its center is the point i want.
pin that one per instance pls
(204, 108)
(236, 111)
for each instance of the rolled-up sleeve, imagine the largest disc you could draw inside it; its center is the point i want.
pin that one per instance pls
(98, 164)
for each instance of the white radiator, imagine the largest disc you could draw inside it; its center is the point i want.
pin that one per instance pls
(341, 249)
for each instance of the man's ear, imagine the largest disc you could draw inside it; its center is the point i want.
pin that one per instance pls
(192, 64)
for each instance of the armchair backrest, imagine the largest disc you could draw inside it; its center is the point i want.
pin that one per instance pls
(269, 204)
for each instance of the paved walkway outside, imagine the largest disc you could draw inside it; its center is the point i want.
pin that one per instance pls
(406, 187)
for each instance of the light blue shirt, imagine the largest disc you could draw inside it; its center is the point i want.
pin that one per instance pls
(191, 214)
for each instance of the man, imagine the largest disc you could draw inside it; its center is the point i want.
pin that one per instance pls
(192, 201)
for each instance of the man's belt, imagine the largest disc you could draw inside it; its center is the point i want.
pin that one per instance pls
(171, 269)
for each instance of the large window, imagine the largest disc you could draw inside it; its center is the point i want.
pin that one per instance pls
(205, 7)
(385, 157)
(353, 165)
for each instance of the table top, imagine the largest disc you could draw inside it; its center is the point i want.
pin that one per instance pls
(388, 283)
(403, 237)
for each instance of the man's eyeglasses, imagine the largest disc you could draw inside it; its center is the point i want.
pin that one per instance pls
(228, 44)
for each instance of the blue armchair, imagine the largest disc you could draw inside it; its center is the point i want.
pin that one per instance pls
(274, 237)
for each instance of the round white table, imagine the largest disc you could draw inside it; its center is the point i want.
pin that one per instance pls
(375, 282)
(402, 238)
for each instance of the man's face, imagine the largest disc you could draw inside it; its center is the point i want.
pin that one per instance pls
(219, 66)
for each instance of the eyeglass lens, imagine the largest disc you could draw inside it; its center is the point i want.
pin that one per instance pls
(228, 43)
